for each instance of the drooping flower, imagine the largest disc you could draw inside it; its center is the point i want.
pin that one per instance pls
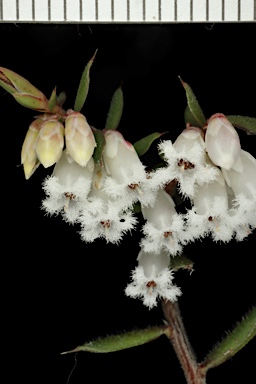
(210, 214)
(186, 162)
(67, 188)
(102, 216)
(241, 179)
(222, 141)
(127, 176)
(152, 279)
(50, 142)
(164, 228)
(28, 154)
(80, 141)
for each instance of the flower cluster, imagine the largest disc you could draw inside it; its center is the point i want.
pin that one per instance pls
(208, 166)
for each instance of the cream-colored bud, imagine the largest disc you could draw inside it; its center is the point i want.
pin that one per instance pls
(28, 153)
(50, 142)
(222, 141)
(80, 141)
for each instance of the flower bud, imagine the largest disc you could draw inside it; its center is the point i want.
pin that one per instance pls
(120, 157)
(222, 141)
(80, 141)
(50, 142)
(28, 153)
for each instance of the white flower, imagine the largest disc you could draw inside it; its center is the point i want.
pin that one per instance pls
(127, 176)
(103, 217)
(210, 213)
(152, 279)
(164, 227)
(187, 162)
(67, 188)
(222, 141)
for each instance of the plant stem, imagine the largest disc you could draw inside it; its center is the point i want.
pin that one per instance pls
(181, 344)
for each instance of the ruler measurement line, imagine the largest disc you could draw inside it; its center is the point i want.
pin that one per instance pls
(175, 10)
(81, 10)
(1, 10)
(128, 10)
(33, 10)
(159, 10)
(238, 10)
(207, 10)
(113, 10)
(96, 10)
(254, 9)
(17, 10)
(223, 10)
(191, 10)
(49, 10)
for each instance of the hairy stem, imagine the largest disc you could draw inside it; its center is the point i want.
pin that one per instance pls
(181, 344)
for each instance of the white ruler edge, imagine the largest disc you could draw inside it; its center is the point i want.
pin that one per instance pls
(127, 11)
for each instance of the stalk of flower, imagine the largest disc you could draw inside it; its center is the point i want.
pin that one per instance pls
(152, 279)
(127, 175)
(186, 162)
(164, 229)
(28, 154)
(50, 142)
(67, 188)
(80, 141)
(222, 141)
(102, 216)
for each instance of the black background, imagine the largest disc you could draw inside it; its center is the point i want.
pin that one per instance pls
(60, 292)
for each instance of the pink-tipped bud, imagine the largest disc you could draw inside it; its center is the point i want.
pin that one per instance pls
(28, 153)
(222, 141)
(80, 141)
(50, 142)
(119, 156)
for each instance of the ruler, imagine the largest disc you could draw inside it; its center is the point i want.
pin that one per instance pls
(127, 11)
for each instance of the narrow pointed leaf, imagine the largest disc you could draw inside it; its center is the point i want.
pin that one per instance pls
(189, 118)
(247, 124)
(181, 262)
(194, 107)
(32, 102)
(115, 110)
(100, 141)
(233, 342)
(142, 146)
(83, 87)
(53, 100)
(121, 341)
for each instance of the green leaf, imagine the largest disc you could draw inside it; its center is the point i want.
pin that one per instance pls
(32, 102)
(181, 262)
(100, 141)
(83, 87)
(142, 146)
(121, 341)
(53, 100)
(194, 107)
(248, 124)
(115, 110)
(189, 118)
(233, 342)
